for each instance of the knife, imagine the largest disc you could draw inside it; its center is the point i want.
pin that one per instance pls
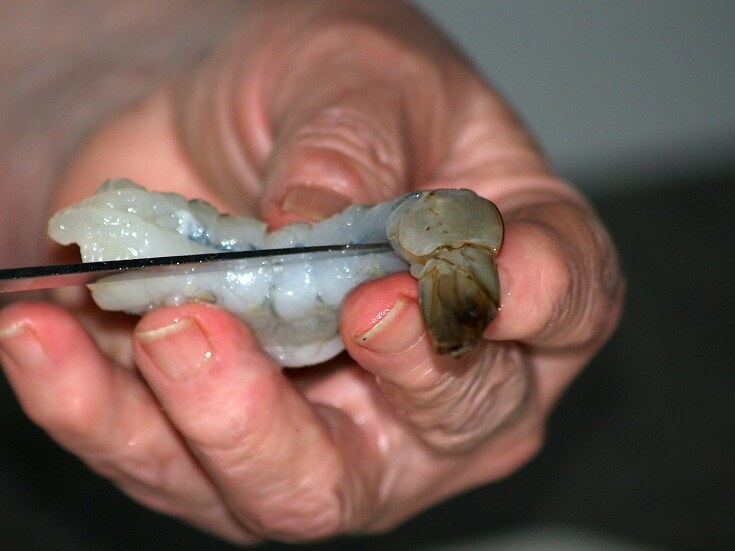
(35, 278)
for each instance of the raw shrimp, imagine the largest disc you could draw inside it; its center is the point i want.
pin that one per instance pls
(447, 238)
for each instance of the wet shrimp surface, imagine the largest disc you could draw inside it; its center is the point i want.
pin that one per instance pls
(293, 308)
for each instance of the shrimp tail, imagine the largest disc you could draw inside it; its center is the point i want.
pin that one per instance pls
(459, 295)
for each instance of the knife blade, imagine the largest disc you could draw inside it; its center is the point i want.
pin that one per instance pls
(34, 278)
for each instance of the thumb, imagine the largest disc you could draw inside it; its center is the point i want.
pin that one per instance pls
(343, 150)
(311, 108)
(350, 125)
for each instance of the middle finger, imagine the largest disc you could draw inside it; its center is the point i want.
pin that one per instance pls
(286, 468)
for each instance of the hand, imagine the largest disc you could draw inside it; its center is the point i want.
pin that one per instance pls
(308, 107)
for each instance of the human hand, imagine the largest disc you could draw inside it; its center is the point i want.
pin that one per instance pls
(309, 107)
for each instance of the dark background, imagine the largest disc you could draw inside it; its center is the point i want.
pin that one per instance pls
(635, 103)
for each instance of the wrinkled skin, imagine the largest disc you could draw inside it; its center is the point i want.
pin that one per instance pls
(307, 107)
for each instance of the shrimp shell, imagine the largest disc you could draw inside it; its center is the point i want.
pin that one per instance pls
(450, 238)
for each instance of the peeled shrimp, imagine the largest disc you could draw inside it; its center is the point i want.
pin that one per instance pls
(448, 239)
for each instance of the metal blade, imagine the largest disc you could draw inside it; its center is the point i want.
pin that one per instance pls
(63, 275)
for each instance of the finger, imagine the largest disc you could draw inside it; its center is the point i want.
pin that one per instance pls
(286, 468)
(345, 149)
(326, 99)
(453, 404)
(560, 283)
(560, 279)
(103, 414)
(351, 122)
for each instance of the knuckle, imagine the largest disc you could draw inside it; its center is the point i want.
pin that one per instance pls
(303, 514)
(593, 302)
(144, 476)
(463, 409)
(71, 417)
(231, 420)
(244, 446)
(578, 276)
(354, 135)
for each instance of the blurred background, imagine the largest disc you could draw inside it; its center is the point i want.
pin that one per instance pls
(635, 104)
(620, 94)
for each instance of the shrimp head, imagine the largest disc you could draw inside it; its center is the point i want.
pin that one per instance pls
(450, 238)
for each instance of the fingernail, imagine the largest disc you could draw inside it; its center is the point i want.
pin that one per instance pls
(22, 346)
(398, 330)
(314, 203)
(180, 351)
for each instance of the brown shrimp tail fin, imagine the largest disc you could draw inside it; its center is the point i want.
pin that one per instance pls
(459, 293)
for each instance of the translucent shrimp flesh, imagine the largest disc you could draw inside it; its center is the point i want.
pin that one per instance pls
(448, 239)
